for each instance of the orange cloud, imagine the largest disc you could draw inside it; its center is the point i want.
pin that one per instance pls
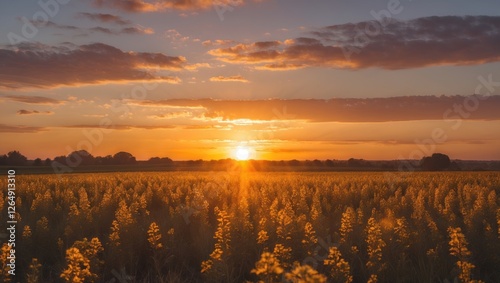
(217, 42)
(159, 5)
(429, 41)
(33, 112)
(406, 108)
(42, 66)
(237, 78)
(124, 127)
(33, 99)
(19, 129)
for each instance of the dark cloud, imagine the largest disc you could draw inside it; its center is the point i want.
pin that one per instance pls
(105, 18)
(406, 108)
(33, 99)
(159, 5)
(429, 41)
(33, 112)
(38, 65)
(87, 31)
(19, 129)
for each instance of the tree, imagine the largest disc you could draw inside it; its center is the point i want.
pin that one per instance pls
(353, 162)
(16, 158)
(436, 162)
(123, 158)
(37, 162)
(158, 160)
(106, 160)
(82, 157)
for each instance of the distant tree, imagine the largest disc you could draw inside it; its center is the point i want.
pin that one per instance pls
(37, 162)
(81, 157)
(454, 166)
(436, 162)
(106, 160)
(158, 160)
(3, 160)
(47, 162)
(16, 158)
(60, 159)
(123, 158)
(329, 163)
(353, 162)
(154, 160)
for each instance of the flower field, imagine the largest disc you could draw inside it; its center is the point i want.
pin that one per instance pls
(256, 227)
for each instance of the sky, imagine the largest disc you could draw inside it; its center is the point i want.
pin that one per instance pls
(285, 80)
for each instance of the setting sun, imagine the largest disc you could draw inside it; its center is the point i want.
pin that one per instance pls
(242, 153)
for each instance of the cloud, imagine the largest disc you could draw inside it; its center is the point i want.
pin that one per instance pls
(217, 42)
(33, 99)
(406, 108)
(137, 30)
(172, 115)
(159, 5)
(19, 129)
(428, 41)
(280, 67)
(42, 66)
(105, 18)
(32, 112)
(123, 127)
(86, 31)
(237, 78)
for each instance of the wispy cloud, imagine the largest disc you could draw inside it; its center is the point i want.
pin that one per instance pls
(42, 66)
(98, 29)
(428, 41)
(237, 78)
(123, 127)
(172, 115)
(19, 129)
(33, 112)
(33, 99)
(105, 18)
(159, 5)
(217, 42)
(406, 108)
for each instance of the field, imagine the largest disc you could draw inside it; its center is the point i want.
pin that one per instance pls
(256, 227)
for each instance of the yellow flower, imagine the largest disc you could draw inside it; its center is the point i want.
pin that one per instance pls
(340, 270)
(304, 274)
(268, 268)
(77, 268)
(154, 236)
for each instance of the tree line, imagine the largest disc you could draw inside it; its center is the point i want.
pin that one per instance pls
(436, 162)
(77, 158)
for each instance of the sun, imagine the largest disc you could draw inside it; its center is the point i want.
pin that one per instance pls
(242, 153)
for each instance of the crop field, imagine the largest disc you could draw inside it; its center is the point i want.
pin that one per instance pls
(256, 227)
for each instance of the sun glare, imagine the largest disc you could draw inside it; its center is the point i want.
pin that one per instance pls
(242, 153)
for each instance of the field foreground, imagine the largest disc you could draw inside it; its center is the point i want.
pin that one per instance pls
(257, 227)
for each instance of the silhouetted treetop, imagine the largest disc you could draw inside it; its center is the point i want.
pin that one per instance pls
(13, 158)
(436, 162)
(123, 157)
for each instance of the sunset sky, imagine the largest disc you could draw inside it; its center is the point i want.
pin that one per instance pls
(288, 79)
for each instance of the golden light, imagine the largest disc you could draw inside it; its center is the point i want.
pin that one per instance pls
(242, 153)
